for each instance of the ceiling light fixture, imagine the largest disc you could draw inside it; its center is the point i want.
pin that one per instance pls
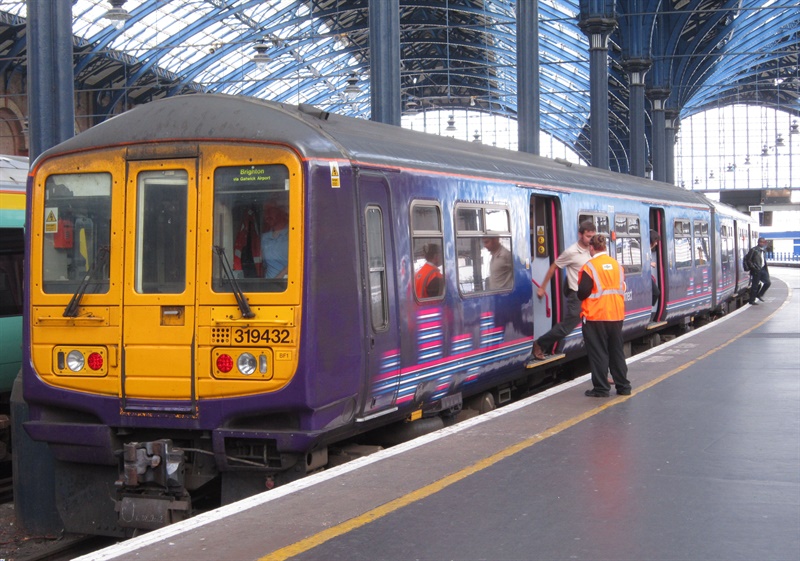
(117, 15)
(352, 89)
(261, 58)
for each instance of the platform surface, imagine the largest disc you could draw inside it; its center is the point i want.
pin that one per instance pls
(701, 462)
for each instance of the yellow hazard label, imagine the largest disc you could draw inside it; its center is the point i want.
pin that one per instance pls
(51, 220)
(335, 179)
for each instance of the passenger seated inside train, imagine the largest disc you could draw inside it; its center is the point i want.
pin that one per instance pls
(275, 242)
(428, 279)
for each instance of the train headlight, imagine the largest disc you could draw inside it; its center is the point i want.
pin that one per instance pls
(246, 363)
(224, 363)
(75, 361)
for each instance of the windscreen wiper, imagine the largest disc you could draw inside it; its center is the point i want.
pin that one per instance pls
(99, 260)
(241, 299)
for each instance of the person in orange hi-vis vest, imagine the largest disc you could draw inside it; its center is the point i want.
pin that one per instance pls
(601, 290)
(428, 280)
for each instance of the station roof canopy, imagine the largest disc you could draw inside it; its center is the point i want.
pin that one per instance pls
(454, 54)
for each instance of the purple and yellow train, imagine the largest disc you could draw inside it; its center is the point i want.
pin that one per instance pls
(220, 288)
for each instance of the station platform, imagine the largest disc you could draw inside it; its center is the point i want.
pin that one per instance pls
(702, 461)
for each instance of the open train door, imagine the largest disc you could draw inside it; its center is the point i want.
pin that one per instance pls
(544, 248)
(658, 262)
(382, 335)
(159, 286)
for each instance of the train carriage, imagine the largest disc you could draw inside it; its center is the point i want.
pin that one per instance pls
(234, 285)
(13, 175)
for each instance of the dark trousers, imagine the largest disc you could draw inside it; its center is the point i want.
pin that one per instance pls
(760, 277)
(572, 315)
(605, 348)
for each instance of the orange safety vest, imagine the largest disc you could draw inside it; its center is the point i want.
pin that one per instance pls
(423, 278)
(248, 232)
(607, 300)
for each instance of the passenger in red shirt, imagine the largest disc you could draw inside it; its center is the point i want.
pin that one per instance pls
(428, 280)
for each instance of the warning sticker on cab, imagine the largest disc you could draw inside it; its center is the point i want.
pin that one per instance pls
(51, 220)
(335, 180)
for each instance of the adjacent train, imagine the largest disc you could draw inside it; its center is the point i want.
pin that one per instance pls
(221, 288)
(13, 177)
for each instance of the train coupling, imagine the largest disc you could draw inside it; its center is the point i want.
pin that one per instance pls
(150, 488)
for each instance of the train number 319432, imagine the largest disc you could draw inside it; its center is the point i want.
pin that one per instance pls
(255, 336)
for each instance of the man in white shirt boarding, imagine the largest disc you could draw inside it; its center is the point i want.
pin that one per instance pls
(572, 261)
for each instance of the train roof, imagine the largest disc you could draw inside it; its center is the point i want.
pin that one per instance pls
(730, 212)
(318, 134)
(13, 173)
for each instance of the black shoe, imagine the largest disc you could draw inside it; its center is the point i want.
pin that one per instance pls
(623, 392)
(753, 303)
(595, 393)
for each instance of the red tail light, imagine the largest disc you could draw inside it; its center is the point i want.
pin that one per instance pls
(224, 363)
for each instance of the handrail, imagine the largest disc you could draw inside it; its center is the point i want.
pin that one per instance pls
(546, 298)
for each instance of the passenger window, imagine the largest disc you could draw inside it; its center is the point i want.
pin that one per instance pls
(483, 249)
(376, 260)
(428, 251)
(251, 225)
(628, 243)
(77, 232)
(683, 244)
(600, 221)
(726, 241)
(701, 242)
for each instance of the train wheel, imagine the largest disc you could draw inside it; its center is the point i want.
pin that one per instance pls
(477, 405)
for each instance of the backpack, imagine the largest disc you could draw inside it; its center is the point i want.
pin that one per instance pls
(747, 264)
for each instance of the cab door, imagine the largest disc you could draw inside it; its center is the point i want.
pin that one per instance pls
(382, 332)
(159, 286)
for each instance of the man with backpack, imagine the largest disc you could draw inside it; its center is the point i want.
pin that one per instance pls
(756, 262)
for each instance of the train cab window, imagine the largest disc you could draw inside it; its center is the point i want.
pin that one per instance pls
(682, 238)
(427, 248)
(483, 249)
(77, 232)
(376, 260)
(251, 226)
(628, 243)
(701, 242)
(161, 224)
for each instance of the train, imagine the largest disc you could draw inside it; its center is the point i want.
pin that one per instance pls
(13, 178)
(220, 289)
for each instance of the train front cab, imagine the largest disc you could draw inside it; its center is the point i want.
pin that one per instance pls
(153, 307)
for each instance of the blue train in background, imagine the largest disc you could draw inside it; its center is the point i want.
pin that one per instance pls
(221, 289)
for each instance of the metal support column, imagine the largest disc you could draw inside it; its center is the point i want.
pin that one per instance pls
(51, 113)
(597, 27)
(384, 45)
(528, 120)
(636, 70)
(51, 87)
